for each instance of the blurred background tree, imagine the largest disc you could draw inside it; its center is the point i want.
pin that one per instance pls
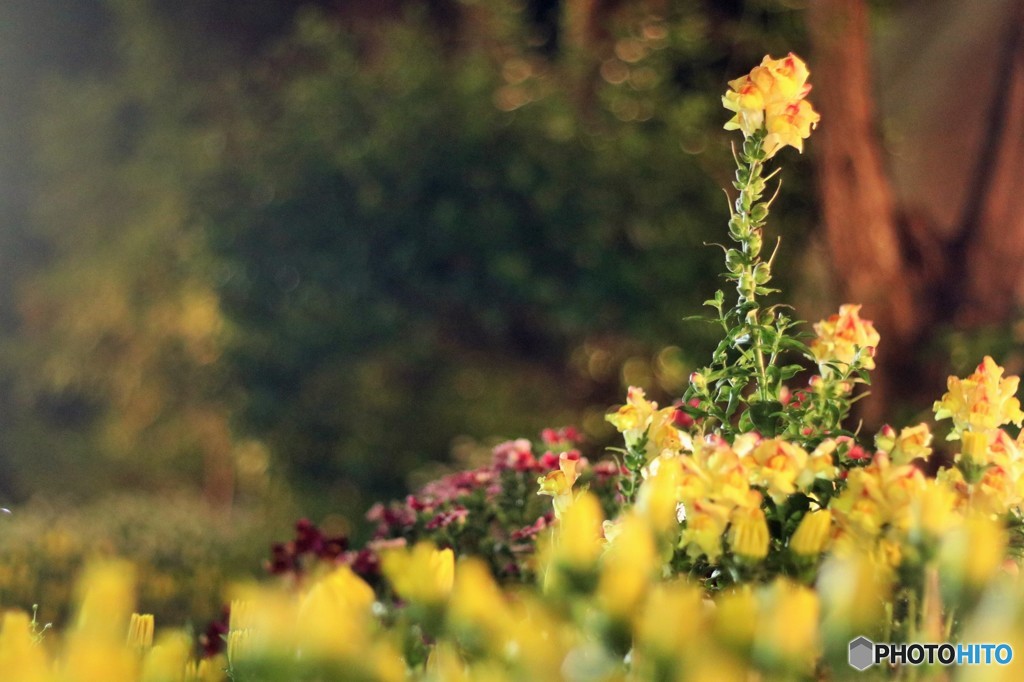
(315, 254)
(919, 164)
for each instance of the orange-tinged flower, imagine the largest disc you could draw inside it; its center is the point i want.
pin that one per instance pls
(705, 523)
(844, 338)
(911, 443)
(789, 78)
(789, 123)
(820, 465)
(771, 98)
(878, 496)
(644, 426)
(775, 464)
(747, 99)
(982, 401)
(558, 483)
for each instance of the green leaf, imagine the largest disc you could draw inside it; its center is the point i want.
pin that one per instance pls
(766, 417)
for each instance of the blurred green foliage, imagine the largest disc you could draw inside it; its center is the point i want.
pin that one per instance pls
(322, 256)
(186, 554)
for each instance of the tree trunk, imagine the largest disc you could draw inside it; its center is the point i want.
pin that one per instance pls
(858, 205)
(944, 246)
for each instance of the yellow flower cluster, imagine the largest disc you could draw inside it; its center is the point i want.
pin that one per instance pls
(844, 339)
(771, 98)
(989, 472)
(887, 508)
(644, 426)
(981, 402)
(106, 641)
(912, 442)
(876, 508)
(668, 626)
(718, 489)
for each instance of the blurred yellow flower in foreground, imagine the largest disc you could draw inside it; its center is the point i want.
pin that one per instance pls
(423, 574)
(20, 658)
(813, 534)
(748, 536)
(630, 566)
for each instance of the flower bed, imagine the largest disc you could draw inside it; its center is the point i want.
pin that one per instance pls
(744, 533)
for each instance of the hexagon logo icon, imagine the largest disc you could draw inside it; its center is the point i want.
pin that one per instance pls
(862, 653)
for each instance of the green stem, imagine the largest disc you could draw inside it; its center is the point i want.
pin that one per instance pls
(746, 228)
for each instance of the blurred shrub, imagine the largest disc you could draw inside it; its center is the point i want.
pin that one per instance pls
(185, 552)
(328, 259)
(420, 239)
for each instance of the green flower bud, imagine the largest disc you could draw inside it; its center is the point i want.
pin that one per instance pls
(759, 212)
(754, 243)
(734, 261)
(738, 229)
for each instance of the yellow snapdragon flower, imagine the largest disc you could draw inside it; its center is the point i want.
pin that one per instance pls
(577, 540)
(972, 554)
(478, 609)
(558, 483)
(771, 98)
(673, 618)
(334, 615)
(910, 443)
(628, 569)
(659, 494)
(640, 418)
(748, 535)
(982, 401)
(20, 657)
(813, 534)
(934, 510)
(877, 497)
(775, 464)
(787, 628)
(842, 336)
(422, 574)
(705, 523)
